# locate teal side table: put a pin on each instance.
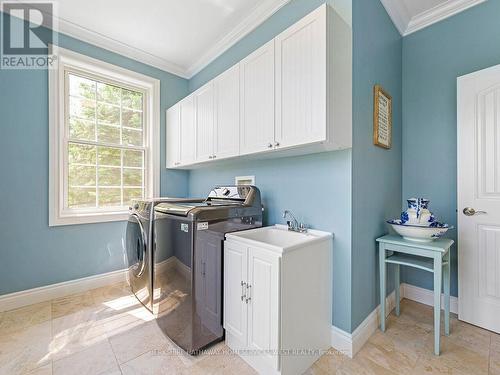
(432, 257)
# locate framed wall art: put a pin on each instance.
(382, 118)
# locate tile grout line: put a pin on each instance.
(489, 356)
(114, 354)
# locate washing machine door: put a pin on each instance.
(138, 259)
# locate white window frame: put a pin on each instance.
(72, 61)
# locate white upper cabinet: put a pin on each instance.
(173, 136)
(204, 102)
(257, 100)
(292, 96)
(301, 88)
(227, 113)
(187, 131)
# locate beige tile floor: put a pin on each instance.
(106, 331)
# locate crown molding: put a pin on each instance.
(408, 25)
(257, 16)
(113, 45)
(260, 13)
(88, 36)
(439, 13)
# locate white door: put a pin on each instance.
(263, 307)
(173, 136)
(301, 81)
(204, 101)
(235, 278)
(257, 100)
(479, 190)
(187, 131)
(227, 113)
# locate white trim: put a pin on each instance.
(439, 13)
(102, 41)
(426, 297)
(259, 14)
(113, 45)
(342, 341)
(256, 17)
(408, 25)
(150, 86)
(351, 343)
(46, 293)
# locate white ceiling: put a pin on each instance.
(179, 36)
(412, 15)
(184, 36)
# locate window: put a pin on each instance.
(104, 140)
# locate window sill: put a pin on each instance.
(90, 218)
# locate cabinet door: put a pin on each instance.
(257, 100)
(204, 101)
(227, 113)
(301, 81)
(235, 278)
(263, 307)
(173, 136)
(187, 130)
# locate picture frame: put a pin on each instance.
(382, 118)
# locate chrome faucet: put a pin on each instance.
(293, 224)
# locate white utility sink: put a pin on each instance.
(279, 238)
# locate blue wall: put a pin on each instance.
(376, 172)
(317, 188)
(32, 253)
(433, 58)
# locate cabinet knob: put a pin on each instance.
(214, 156)
(269, 145)
(277, 144)
(210, 157)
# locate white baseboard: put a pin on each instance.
(350, 343)
(426, 297)
(342, 341)
(46, 293)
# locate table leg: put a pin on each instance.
(446, 287)
(437, 301)
(397, 286)
(382, 267)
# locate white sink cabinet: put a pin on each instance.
(277, 297)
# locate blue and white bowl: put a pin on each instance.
(419, 233)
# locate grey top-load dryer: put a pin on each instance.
(188, 259)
